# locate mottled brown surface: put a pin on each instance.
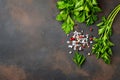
(33, 46)
(12, 73)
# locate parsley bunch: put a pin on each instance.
(78, 59)
(102, 46)
(76, 10)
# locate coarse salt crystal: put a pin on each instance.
(80, 48)
(70, 46)
(70, 52)
(68, 42)
(79, 33)
(73, 42)
(89, 54)
(74, 47)
(67, 34)
(75, 33)
(87, 36)
(91, 42)
(82, 31)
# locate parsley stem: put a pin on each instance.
(113, 11)
(103, 45)
(114, 15)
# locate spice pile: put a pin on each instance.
(80, 41)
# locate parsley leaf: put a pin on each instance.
(102, 47)
(78, 59)
(77, 10)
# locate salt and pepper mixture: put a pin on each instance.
(80, 41)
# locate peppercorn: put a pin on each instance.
(71, 39)
(91, 38)
(91, 29)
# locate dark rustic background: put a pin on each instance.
(33, 46)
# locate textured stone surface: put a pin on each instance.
(33, 46)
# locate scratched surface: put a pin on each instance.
(33, 46)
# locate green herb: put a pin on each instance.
(78, 59)
(76, 10)
(102, 46)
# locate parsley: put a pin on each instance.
(76, 10)
(78, 59)
(102, 47)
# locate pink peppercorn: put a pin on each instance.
(71, 39)
(91, 38)
(91, 29)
